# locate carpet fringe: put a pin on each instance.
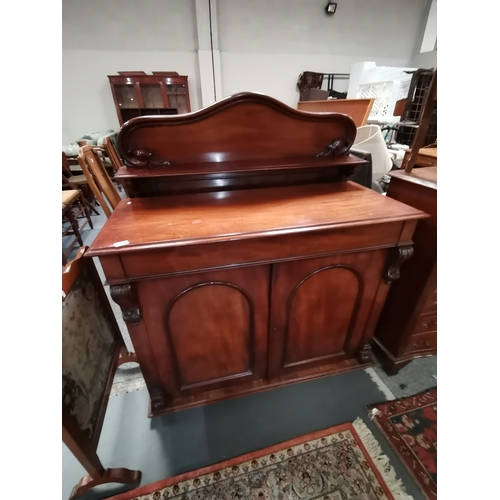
(381, 461)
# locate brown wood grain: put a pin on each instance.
(319, 309)
(166, 222)
(408, 300)
(208, 329)
(244, 252)
(245, 126)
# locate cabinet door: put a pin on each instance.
(320, 308)
(126, 96)
(207, 330)
(178, 97)
(151, 95)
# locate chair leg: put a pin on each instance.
(89, 197)
(74, 224)
(86, 206)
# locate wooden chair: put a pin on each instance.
(77, 182)
(112, 153)
(92, 349)
(99, 181)
(425, 118)
(73, 206)
(111, 158)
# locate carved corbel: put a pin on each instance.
(125, 297)
(395, 258)
(335, 148)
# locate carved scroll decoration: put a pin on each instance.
(142, 158)
(395, 258)
(125, 297)
(335, 148)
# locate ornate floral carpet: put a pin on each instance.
(410, 426)
(339, 463)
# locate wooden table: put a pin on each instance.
(408, 324)
(265, 268)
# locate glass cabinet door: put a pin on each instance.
(177, 98)
(151, 96)
(125, 96)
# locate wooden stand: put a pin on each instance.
(246, 260)
(90, 359)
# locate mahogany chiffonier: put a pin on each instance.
(407, 328)
(244, 258)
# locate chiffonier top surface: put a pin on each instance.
(162, 222)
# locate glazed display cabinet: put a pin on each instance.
(136, 93)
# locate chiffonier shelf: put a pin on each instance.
(244, 259)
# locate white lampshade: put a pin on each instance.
(369, 138)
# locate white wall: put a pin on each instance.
(276, 74)
(129, 25)
(425, 60)
(87, 101)
(380, 28)
(264, 46)
(102, 37)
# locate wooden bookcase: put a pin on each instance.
(136, 93)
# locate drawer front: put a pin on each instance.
(430, 307)
(422, 342)
(259, 250)
(426, 324)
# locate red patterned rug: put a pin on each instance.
(410, 426)
(340, 463)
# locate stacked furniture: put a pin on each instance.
(245, 259)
